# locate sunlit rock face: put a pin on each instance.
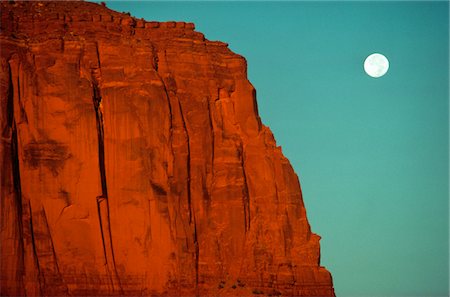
(134, 162)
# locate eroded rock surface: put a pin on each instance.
(134, 162)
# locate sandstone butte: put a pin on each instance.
(134, 162)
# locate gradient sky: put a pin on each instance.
(371, 154)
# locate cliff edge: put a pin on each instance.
(134, 162)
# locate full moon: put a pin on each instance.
(376, 65)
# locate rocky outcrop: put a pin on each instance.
(134, 162)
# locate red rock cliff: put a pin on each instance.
(134, 162)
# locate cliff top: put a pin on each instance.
(41, 20)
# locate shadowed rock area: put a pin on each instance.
(134, 162)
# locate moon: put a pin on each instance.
(376, 65)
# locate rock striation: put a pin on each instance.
(134, 162)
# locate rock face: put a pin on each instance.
(134, 162)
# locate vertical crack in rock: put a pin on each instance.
(11, 123)
(24, 211)
(197, 255)
(189, 194)
(33, 245)
(100, 131)
(192, 220)
(51, 244)
(10, 102)
(212, 141)
(102, 200)
(101, 230)
(101, 157)
(246, 193)
(287, 234)
(169, 106)
(155, 60)
(188, 162)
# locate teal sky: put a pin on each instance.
(371, 154)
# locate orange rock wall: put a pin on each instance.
(134, 162)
